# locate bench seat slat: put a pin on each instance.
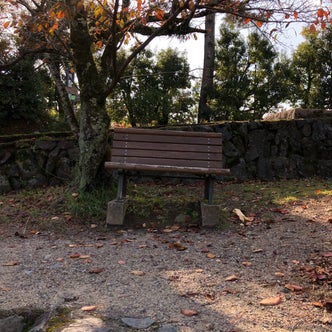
(164, 168)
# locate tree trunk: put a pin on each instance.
(93, 140)
(204, 111)
(94, 121)
(64, 101)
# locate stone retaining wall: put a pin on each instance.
(252, 150)
(278, 149)
(30, 161)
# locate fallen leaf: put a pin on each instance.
(246, 263)
(89, 308)
(178, 246)
(241, 216)
(96, 271)
(11, 263)
(318, 304)
(99, 245)
(271, 301)
(255, 251)
(122, 262)
(137, 273)
(328, 303)
(233, 277)
(327, 254)
(281, 211)
(199, 270)
(60, 259)
(189, 312)
(84, 256)
(75, 255)
(210, 255)
(279, 274)
(294, 288)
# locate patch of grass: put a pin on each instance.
(60, 319)
(90, 204)
(253, 196)
(56, 208)
(249, 196)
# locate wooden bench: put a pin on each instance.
(172, 152)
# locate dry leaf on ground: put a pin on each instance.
(89, 308)
(241, 216)
(210, 255)
(293, 288)
(138, 273)
(271, 301)
(96, 271)
(189, 312)
(11, 263)
(233, 277)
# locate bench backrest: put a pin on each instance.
(167, 148)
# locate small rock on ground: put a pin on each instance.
(138, 323)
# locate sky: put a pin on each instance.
(194, 49)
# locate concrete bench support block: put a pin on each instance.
(210, 215)
(116, 212)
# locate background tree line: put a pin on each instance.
(251, 78)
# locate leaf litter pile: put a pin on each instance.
(267, 268)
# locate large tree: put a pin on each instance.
(311, 66)
(249, 78)
(24, 91)
(154, 89)
(89, 34)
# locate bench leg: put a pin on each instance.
(208, 190)
(122, 186)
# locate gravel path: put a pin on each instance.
(182, 279)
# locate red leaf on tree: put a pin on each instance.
(313, 28)
(259, 23)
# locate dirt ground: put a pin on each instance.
(272, 272)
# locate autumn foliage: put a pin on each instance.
(111, 18)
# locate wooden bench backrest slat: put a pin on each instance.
(159, 154)
(158, 146)
(169, 162)
(167, 148)
(168, 139)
